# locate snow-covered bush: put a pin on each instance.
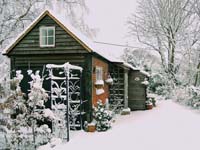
(187, 95)
(194, 99)
(161, 85)
(25, 130)
(102, 117)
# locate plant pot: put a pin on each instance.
(149, 106)
(91, 128)
(109, 81)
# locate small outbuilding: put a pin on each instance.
(137, 89)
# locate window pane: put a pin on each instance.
(50, 41)
(43, 32)
(43, 41)
(50, 32)
(47, 36)
(99, 73)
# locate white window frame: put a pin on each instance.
(46, 28)
(99, 73)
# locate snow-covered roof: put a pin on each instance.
(58, 17)
(130, 66)
(145, 73)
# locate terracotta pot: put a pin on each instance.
(91, 128)
(149, 106)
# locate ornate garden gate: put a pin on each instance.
(66, 100)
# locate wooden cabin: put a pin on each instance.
(51, 40)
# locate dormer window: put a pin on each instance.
(47, 36)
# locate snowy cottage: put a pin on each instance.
(51, 40)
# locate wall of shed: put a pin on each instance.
(105, 95)
(35, 62)
(136, 91)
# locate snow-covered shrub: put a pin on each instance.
(26, 132)
(161, 85)
(187, 95)
(181, 94)
(194, 99)
(102, 117)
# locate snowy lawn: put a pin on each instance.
(169, 126)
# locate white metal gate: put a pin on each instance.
(66, 100)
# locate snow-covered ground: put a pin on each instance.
(169, 126)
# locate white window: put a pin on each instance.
(99, 73)
(47, 36)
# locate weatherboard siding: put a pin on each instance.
(64, 42)
(136, 91)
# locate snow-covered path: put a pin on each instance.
(169, 126)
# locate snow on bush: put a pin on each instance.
(160, 84)
(53, 142)
(102, 117)
(26, 133)
(47, 113)
(187, 95)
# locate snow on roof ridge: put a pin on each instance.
(136, 68)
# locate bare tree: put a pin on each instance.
(162, 25)
(196, 11)
(140, 58)
(16, 15)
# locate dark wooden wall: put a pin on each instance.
(64, 42)
(136, 91)
(38, 63)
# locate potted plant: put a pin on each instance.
(149, 104)
(90, 127)
(152, 98)
(109, 80)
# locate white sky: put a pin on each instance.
(110, 16)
